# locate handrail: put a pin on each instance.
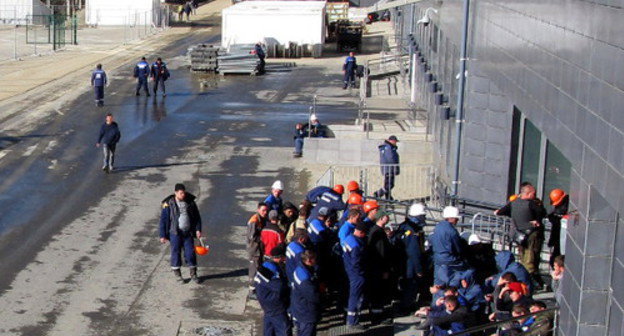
(498, 324)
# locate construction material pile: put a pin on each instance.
(203, 57)
(240, 59)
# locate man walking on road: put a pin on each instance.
(108, 139)
(159, 74)
(98, 81)
(389, 160)
(141, 73)
(180, 222)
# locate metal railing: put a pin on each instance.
(414, 181)
(499, 326)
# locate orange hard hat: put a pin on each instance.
(353, 186)
(355, 199)
(556, 196)
(370, 205)
(339, 188)
(202, 249)
(513, 197)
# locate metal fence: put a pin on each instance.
(25, 33)
(413, 182)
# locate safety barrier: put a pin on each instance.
(413, 182)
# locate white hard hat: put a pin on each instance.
(474, 239)
(313, 117)
(278, 185)
(417, 209)
(451, 212)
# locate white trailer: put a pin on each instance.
(122, 12)
(16, 12)
(274, 23)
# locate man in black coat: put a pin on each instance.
(108, 139)
(378, 251)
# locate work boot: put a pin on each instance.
(178, 275)
(194, 277)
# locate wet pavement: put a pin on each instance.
(79, 249)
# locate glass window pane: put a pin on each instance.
(556, 172)
(530, 153)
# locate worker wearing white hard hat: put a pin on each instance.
(413, 238)
(274, 200)
(447, 247)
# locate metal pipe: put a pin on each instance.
(460, 98)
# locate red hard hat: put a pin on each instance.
(352, 186)
(370, 205)
(355, 199)
(339, 188)
(556, 196)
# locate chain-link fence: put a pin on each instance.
(33, 31)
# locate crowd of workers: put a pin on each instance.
(304, 258)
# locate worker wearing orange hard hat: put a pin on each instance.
(370, 209)
(560, 201)
(325, 197)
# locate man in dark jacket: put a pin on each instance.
(98, 81)
(141, 73)
(560, 202)
(449, 318)
(305, 298)
(378, 251)
(330, 199)
(300, 134)
(108, 139)
(159, 74)
(527, 213)
(506, 263)
(294, 251)
(412, 241)
(389, 161)
(272, 292)
(261, 55)
(447, 247)
(180, 222)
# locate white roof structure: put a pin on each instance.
(120, 12)
(274, 22)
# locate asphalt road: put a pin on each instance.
(79, 252)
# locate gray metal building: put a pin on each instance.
(545, 86)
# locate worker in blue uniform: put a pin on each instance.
(141, 73)
(159, 74)
(272, 293)
(261, 55)
(305, 297)
(389, 162)
(411, 236)
(447, 247)
(354, 263)
(294, 251)
(349, 226)
(348, 68)
(274, 200)
(330, 199)
(98, 81)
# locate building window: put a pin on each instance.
(557, 171)
(536, 160)
(531, 153)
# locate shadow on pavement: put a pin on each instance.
(162, 165)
